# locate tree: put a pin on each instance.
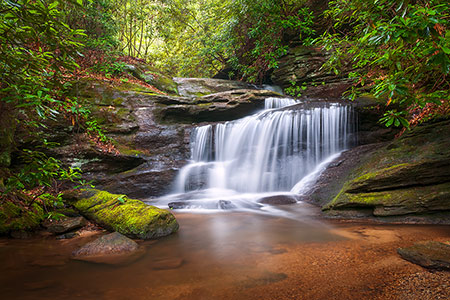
(399, 49)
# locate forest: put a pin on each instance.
(102, 100)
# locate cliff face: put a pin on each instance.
(150, 131)
(406, 177)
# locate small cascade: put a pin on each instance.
(279, 149)
(273, 102)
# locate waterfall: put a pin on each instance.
(270, 151)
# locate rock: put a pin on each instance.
(302, 66)
(197, 87)
(178, 204)
(18, 220)
(146, 153)
(130, 217)
(410, 175)
(278, 200)
(65, 224)
(66, 236)
(431, 254)
(223, 106)
(225, 204)
(167, 263)
(113, 248)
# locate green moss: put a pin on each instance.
(14, 217)
(125, 150)
(128, 216)
(204, 104)
(381, 173)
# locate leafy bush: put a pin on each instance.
(399, 49)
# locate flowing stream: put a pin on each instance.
(280, 150)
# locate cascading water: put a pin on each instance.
(272, 151)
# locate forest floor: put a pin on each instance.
(235, 256)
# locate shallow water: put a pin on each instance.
(214, 256)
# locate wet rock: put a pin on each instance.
(113, 248)
(410, 175)
(178, 205)
(223, 106)
(225, 204)
(66, 236)
(278, 200)
(64, 225)
(432, 255)
(130, 217)
(197, 87)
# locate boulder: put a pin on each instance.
(197, 87)
(64, 225)
(130, 217)
(410, 175)
(113, 248)
(278, 200)
(431, 254)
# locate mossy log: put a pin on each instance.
(130, 217)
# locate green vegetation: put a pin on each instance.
(130, 217)
(400, 50)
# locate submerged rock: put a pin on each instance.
(432, 255)
(130, 217)
(113, 248)
(278, 200)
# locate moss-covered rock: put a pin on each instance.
(14, 217)
(411, 175)
(130, 217)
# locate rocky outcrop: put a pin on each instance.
(198, 87)
(432, 255)
(130, 217)
(223, 106)
(410, 175)
(113, 248)
(149, 131)
(302, 67)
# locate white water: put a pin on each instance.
(277, 151)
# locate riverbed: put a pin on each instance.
(235, 255)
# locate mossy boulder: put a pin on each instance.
(410, 175)
(130, 217)
(17, 218)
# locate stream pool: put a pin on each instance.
(229, 255)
